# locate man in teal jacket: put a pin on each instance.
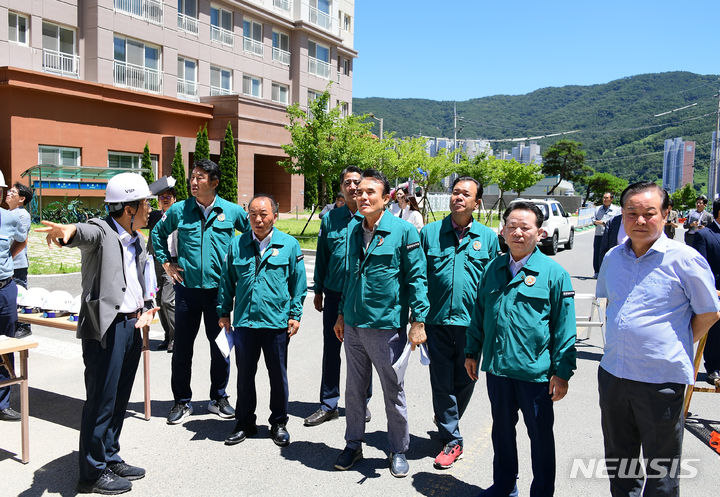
(524, 324)
(264, 274)
(457, 249)
(329, 278)
(205, 225)
(386, 281)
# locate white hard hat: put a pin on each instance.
(75, 306)
(21, 294)
(126, 187)
(2, 180)
(57, 300)
(34, 297)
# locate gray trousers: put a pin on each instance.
(365, 348)
(166, 301)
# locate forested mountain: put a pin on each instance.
(615, 119)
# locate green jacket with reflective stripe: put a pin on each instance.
(454, 269)
(524, 325)
(388, 280)
(202, 243)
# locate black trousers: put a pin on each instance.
(637, 415)
(20, 275)
(597, 259)
(8, 319)
(712, 349)
(109, 376)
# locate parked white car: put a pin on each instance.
(556, 224)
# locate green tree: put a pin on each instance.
(478, 168)
(565, 159)
(228, 188)
(149, 175)
(178, 172)
(599, 183)
(519, 177)
(684, 198)
(323, 144)
(202, 144)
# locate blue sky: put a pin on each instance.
(462, 49)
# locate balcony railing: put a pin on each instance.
(216, 90)
(319, 67)
(320, 18)
(148, 10)
(187, 89)
(281, 56)
(222, 35)
(251, 45)
(282, 4)
(187, 23)
(61, 63)
(137, 77)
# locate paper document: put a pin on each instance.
(400, 365)
(424, 355)
(224, 342)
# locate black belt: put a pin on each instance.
(128, 315)
(5, 282)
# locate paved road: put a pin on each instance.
(190, 459)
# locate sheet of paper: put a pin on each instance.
(424, 355)
(223, 342)
(401, 364)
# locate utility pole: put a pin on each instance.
(713, 172)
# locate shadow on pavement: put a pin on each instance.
(58, 477)
(314, 455)
(590, 356)
(214, 429)
(419, 447)
(435, 485)
(55, 408)
(158, 408)
(304, 409)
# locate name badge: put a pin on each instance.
(529, 280)
(221, 217)
(275, 252)
(476, 245)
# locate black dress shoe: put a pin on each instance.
(108, 484)
(239, 434)
(348, 457)
(713, 377)
(162, 345)
(22, 333)
(126, 471)
(320, 416)
(280, 435)
(9, 414)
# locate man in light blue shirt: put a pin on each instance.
(661, 298)
(17, 198)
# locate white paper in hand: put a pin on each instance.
(424, 355)
(223, 342)
(401, 364)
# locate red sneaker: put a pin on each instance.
(448, 456)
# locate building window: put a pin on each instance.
(252, 86)
(280, 93)
(136, 65)
(221, 28)
(312, 95)
(282, 4)
(318, 60)
(128, 160)
(58, 156)
(347, 23)
(252, 37)
(346, 67)
(281, 47)
(59, 55)
(187, 78)
(188, 16)
(344, 108)
(17, 28)
(320, 13)
(148, 10)
(220, 81)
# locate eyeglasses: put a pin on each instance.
(165, 196)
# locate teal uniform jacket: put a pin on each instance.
(202, 243)
(268, 294)
(524, 326)
(387, 280)
(331, 249)
(454, 269)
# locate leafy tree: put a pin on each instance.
(684, 198)
(519, 177)
(202, 144)
(477, 168)
(323, 144)
(599, 183)
(178, 172)
(228, 188)
(146, 163)
(566, 160)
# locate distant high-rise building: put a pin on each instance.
(527, 154)
(678, 163)
(713, 171)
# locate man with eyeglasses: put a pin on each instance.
(329, 279)
(17, 198)
(165, 187)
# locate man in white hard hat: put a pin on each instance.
(12, 238)
(112, 312)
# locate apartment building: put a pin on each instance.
(90, 82)
(678, 163)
